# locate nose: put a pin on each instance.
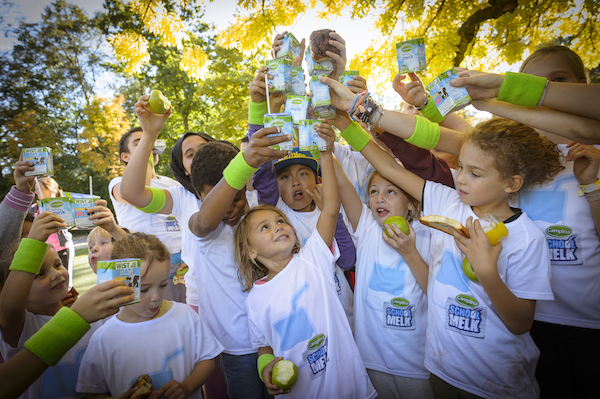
(459, 176)
(95, 249)
(155, 296)
(55, 274)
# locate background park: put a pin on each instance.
(71, 71)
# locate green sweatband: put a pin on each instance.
(522, 89)
(316, 154)
(426, 134)
(30, 256)
(159, 199)
(238, 172)
(57, 336)
(256, 112)
(262, 362)
(356, 136)
(431, 112)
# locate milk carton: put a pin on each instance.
(122, 269)
(79, 205)
(445, 96)
(160, 145)
(281, 70)
(347, 76)
(43, 164)
(298, 87)
(283, 121)
(297, 106)
(323, 67)
(411, 55)
(290, 48)
(320, 96)
(60, 206)
(309, 139)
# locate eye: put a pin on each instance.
(40, 274)
(474, 174)
(559, 79)
(372, 192)
(58, 265)
(390, 191)
(281, 221)
(163, 285)
(144, 290)
(264, 227)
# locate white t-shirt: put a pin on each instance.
(221, 300)
(390, 308)
(166, 348)
(356, 167)
(297, 313)
(467, 343)
(58, 381)
(567, 222)
(165, 227)
(305, 224)
(185, 204)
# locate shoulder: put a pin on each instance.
(114, 182)
(164, 182)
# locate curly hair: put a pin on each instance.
(141, 245)
(249, 269)
(517, 149)
(209, 162)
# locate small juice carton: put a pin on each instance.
(320, 95)
(43, 164)
(122, 269)
(309, 139)
(411, 55)
(160, 145)
(60, 206)
(445, 96)
(284, 121)
(298, 87)
(281, 70)
(290, 48)
(298, 107)
(327, 112)
(79, 205)
(324, 67)
(347, 76)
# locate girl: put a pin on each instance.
(293, 310)
(390, 337)
(165, 340)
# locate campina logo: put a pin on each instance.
(467, 300)
(559, 231)
(400, 302)
(315, 342)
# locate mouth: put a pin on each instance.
(382, 212)
(461, 192)
(282, 238)
(93, 259)
(154, 310)
(59, 286)
(298, 195)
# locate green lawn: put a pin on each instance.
(83, 275)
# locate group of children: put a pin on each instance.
(268, 266)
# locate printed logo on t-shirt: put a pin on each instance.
(563, 245)
(171, 224)
(316, 355)
(463, 315)
(398, 314)
(296, 326)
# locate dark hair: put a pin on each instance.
(177, 160)
(125, 139)
(245, 139)
(209, 162)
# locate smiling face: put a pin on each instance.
(99, 248)
(293, 181)
(386, 199)
(152, 292)
(188, 148)
(271, 237)
(50, 285)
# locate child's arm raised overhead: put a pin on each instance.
(102, 216)
(217, 202)
(24, 268)
(327, 222)
(133, 186)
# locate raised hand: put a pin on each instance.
(413, 92)
(150, 122)
(45, 224)
(23, 183)
(480, 85)
(258, 151)
(103, 300)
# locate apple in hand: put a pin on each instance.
(284, 374)
(182, 271)
(468, 270)
(158, 103)
(398, 221)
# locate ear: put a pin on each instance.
(125, 157)
(319, 180)
(513, 184)
(253, 254)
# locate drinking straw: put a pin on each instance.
(267, 87)
(91, 191)
(39, 188)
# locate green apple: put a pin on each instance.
(468, 270)
(398, 221)
(158, 103)
(284, 374)
(181, 272)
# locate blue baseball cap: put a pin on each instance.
(297, 157)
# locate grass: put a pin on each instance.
(83, 276)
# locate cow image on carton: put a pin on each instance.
(446, 97)
(43, 164)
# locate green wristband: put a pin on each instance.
(356, 136)
(159, 199)
(30, 256)
(57, 336)
(431, 112)
(262, 362)
(238, 172)
(522, 89)
(256, 112)
(426, 134)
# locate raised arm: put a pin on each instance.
(102, 216)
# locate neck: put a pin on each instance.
(274, 266)
(501, 209)
(309, 208)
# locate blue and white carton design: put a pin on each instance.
(297, 106)
(60, 206)
(308, 137)
(290, 48)
(411, 55)
(283, 121)
(122, 269)
(281, 70)
(43, 164)
(445, 96)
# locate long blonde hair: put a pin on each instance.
(249, 269)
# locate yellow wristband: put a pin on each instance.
(262, 362)
(159, 199)
(426, 134)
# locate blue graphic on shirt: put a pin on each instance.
(384, 278)
(60, 381)
(297, 326)
(546, 205)
(450, 272)
(164, 375)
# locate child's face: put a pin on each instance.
(51, 284)
(152, 292)
(386, 199)
(555, 68)
(271, 237)
(133, 141)
(99, 248)
(188, 148)
(293, 181)
(478, 182)
(237, 209)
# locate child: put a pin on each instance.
(31, 295)
(292, 307)
(390, 338)
(100, 238)
(165, 340)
